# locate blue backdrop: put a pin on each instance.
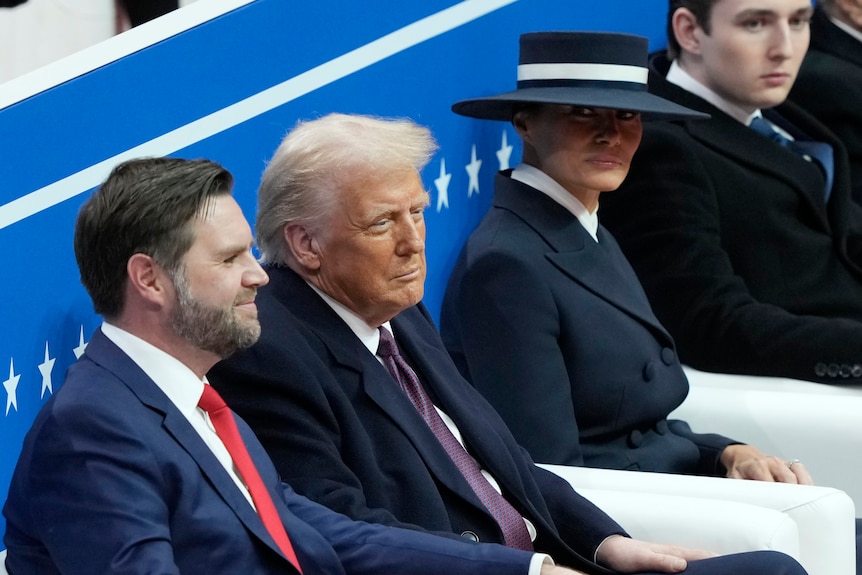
(229, 89)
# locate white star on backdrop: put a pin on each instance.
(79, 351)
(45, 369)
(442, 185)
(504, 153)
(473, 171)
(11, 386)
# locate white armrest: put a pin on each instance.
(720, 526)
(814, 422)
(719, 515)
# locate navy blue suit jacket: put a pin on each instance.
(555, 330)
(744, 262)
(342, 433)
(113, 479)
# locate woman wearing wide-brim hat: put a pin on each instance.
(543, 313)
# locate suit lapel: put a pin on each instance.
(384, 391)
(747, 148)
(600, 267)
(105, 353)
(725, 136)
(453, 395)
(376, 382)
(188, 438)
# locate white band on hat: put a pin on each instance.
(563, 71)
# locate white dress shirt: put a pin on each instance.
(536, 178)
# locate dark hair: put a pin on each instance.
(144, 206)
(702, 10)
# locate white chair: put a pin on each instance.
(3, 563)
(816, 525)
(719, 526)
(817, 423)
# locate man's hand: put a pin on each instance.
(747, 462)
(632, 556)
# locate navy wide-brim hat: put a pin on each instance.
(593, 69)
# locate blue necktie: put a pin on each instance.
(819, 151)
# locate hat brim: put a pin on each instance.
(651, 107)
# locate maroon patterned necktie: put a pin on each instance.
(512, 524)
(225, 426)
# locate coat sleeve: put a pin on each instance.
(365, 548)
(89, 492)
(666, 218)
(709, 446)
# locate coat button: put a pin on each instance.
(635, 438)
(667, 356)
(820, 369)
(832, 370)
(856, 370)
(661, 427)
(471, 536)
(649, 372)
(845, 370)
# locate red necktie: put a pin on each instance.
(510, 521)
(225, 426)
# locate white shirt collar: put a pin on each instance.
(676, 75)
(539, 180)
(847, 28)
(369, 336)
(173, 377)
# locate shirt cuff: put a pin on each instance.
(539, 560)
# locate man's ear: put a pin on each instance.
(147, 279)
(305, 248)
(686, 30)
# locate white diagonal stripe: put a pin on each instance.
(255, 105)
(113, 49)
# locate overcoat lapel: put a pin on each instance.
(436, 369)
(374, 378)
(599, 267)
(746, 147)
(727, 137)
